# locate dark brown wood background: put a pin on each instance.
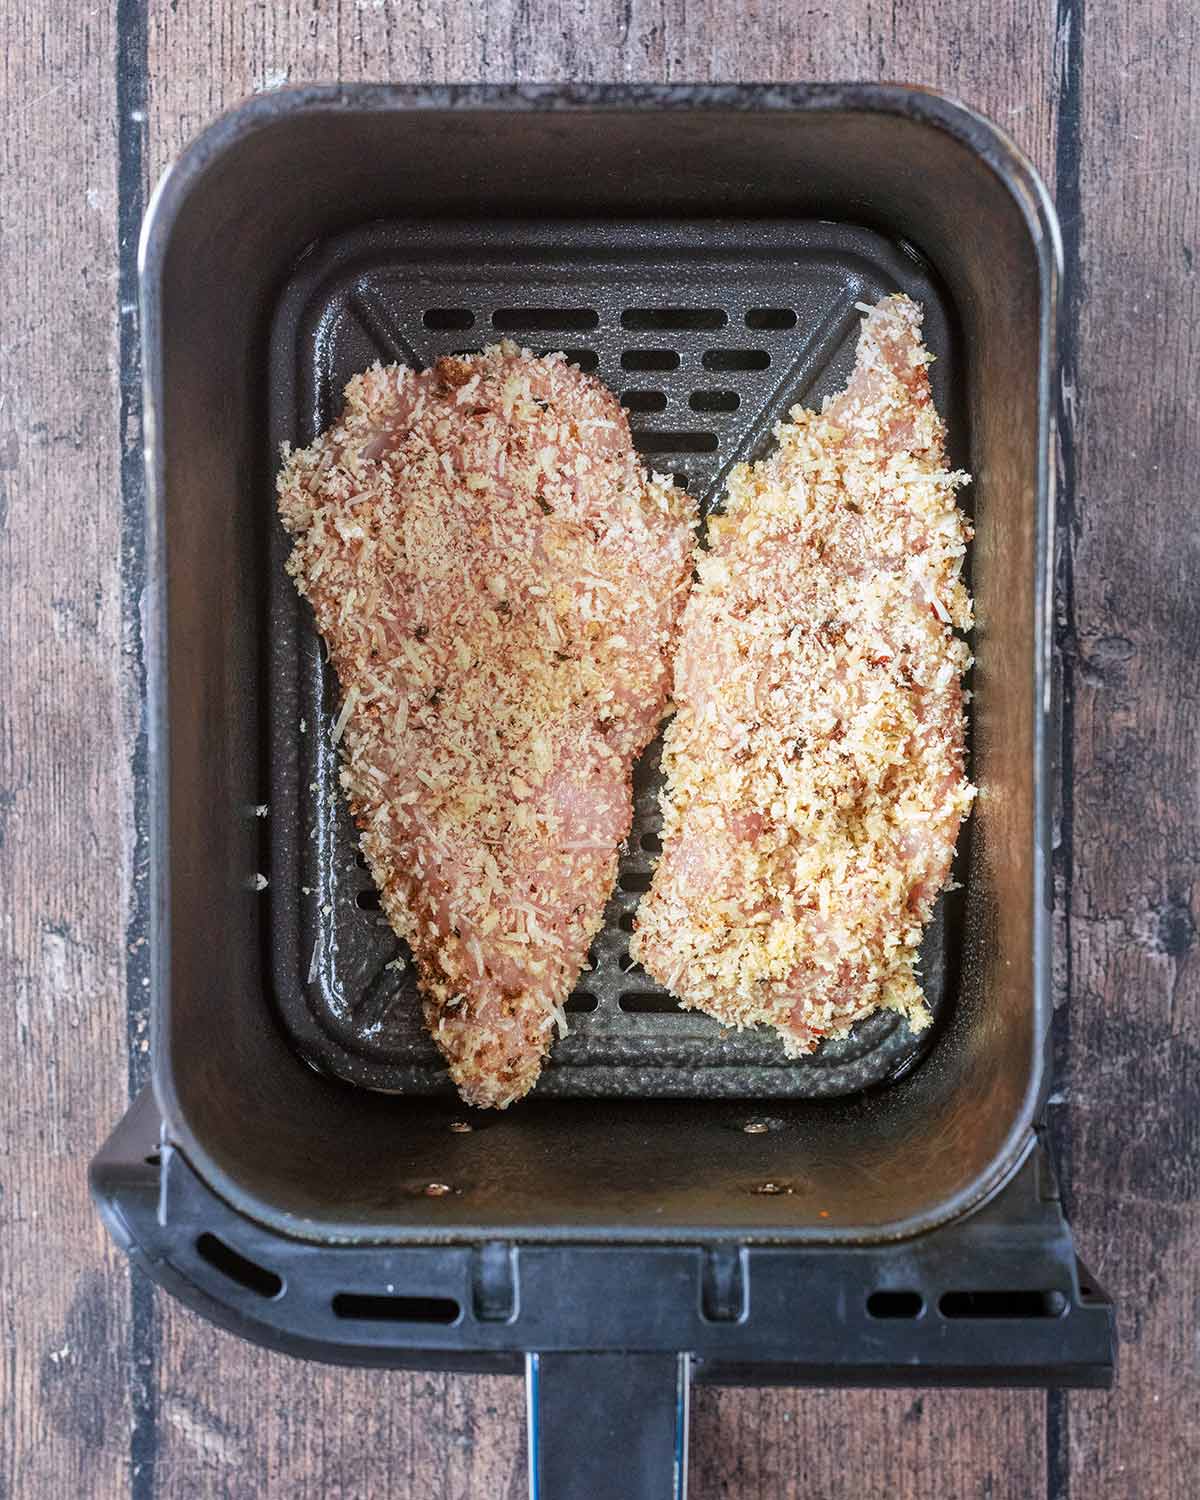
(108, 1389)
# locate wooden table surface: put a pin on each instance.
(108, 1388)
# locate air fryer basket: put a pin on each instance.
(671, 1203)
(710, 332)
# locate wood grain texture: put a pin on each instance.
(306, 1432)
(797, 1445)
(770, 1446)
(217, 1418)
(1132, 649)
(205, 57)
(63, 791)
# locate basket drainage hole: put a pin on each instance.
(368, 900)
(586, 360)
(644, 401)
(448, 317)
(895, 1304)
(714, 400)
(580, 1003)
(237, 1267)
(771, 317)
(647, 441)
(651, 843)
(1002, 1305)
(735, 359)
(625, 921)
(538, 319)
(650, 359)
(649, 1003)
(634, 881)
(674, 318)
(377, 1309)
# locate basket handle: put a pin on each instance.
(608, 1426)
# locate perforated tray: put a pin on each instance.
(709, 332)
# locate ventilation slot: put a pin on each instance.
(677, 319)
(583, 359)
(542, 319)
(448, 317)
(644, 401)
(895, 1304)
(675, 442)
(649, 1003)
(771, 317)
(580, 1003)
(1002, 1305)
(649, 359)
(714, 400)
(370, 1309)
(246, 1273)
(735, 359)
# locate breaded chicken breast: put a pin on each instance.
(815, 774)
(500, 586)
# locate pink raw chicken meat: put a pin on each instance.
(815, 766)
(500, 585)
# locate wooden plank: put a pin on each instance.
(998, 57)
(1133, 657)
(64, 794)
(309, 1432)
(794, 1445)
(230, 1411)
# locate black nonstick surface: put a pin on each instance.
(709, 333)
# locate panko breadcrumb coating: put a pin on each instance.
(500, 586)
(815, 767)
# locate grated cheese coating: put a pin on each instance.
(499, 584)
(815, 766)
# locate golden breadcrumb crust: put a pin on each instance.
(815, 767)
(500, 584)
